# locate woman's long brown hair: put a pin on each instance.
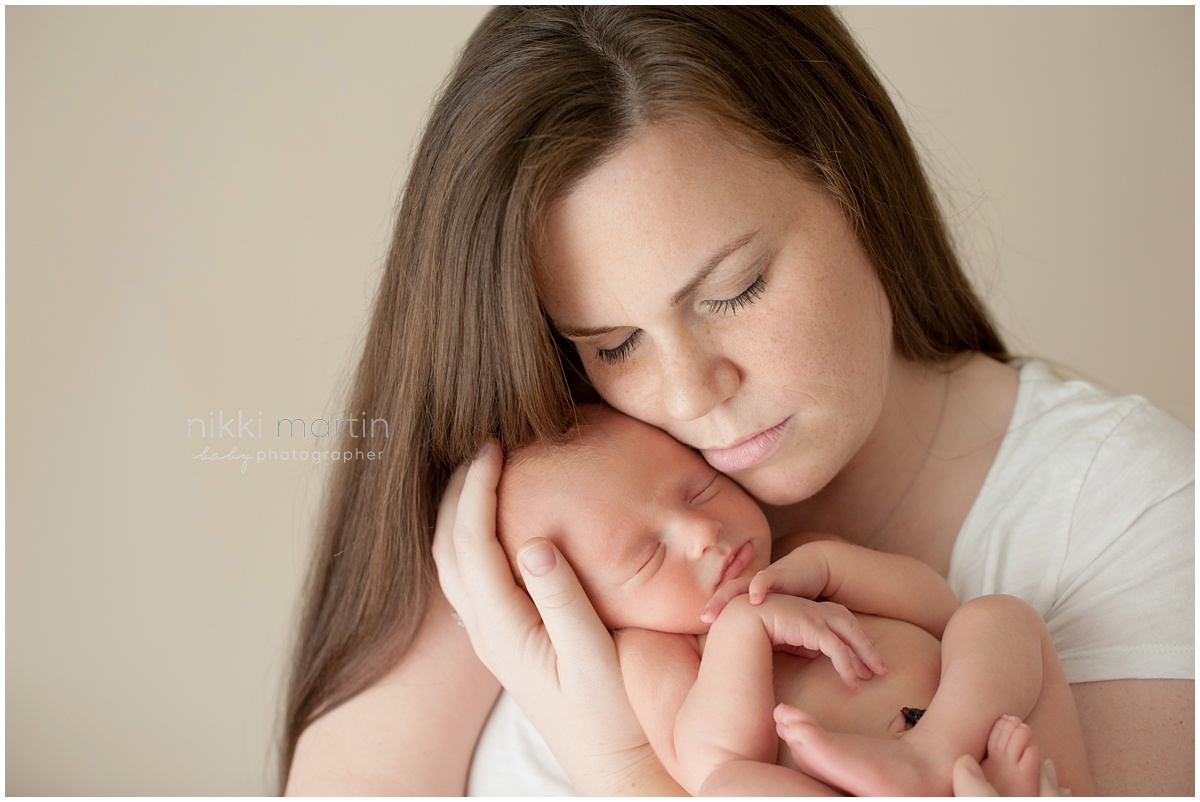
(458, 348)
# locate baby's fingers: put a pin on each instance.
(846, 626)
(723, 596)
(845, 662)
(804, 580)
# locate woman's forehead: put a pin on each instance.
(672, 172)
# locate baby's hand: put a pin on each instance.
(809, 628)
(724, 595)
(804, 573)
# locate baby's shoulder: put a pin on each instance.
(652, 646)
(785, 545)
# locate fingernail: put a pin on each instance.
(784, 715)
(537, 558)
(1049, 773)
(973, 766)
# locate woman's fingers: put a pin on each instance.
(968, 779)
(580, 640)
(1048, 781)
(444, 553)
(481, 561)
(472, 569)
(480, 585)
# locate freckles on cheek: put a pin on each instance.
(618, 392)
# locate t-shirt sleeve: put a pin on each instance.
(1125, 591)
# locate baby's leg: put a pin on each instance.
(1029, 684)
(997, 658)
(750, 778)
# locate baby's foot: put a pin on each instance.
(861, 765)
(1012, 762)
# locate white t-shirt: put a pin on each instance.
(1088, 514)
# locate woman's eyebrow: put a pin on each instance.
(580, 332)
(711, 264)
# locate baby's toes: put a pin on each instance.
(1009, 737)
(795, 726)
(1012, 762)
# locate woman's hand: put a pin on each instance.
(969, 780)
(552, 653)
(1013, 766)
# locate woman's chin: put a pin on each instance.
(779, 488)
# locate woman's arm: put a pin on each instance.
(1140, 735)
(548, 648)
(410, 734)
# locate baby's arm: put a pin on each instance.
(727, 714)
(659, 670)
(700, 714)
(861, 579)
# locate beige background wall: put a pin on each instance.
(198, 201)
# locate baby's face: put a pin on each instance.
(650, 529)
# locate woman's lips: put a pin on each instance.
(748, 452)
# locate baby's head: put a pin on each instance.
(649, 527)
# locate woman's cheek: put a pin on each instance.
(622, 388)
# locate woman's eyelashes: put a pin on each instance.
(731, 306)
(621, 352)
(726, 306)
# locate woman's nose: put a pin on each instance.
(695, 379)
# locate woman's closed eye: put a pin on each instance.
(725, 306)
(731, 306)
(621, 352)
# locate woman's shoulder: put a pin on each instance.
(1062, 421)
(1089, 515)
(1081, 472)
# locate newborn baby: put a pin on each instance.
(878, 679)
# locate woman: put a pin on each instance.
(715, 216)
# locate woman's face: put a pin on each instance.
(715, 294)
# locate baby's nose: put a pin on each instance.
(702, 534)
